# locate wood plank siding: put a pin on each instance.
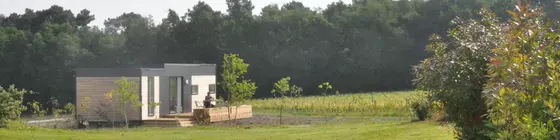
(100, 108)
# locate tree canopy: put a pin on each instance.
(367, 45)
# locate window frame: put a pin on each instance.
(151, 95)
(212, 88)
(193, 90)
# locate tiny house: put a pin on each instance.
(179, 88)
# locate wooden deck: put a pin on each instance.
(210, 115)
(171, 120)
(202, 115)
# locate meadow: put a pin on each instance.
(263, 125)
(377, 104)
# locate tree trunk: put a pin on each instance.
(114, 112)
(281, 110)
(125, 118)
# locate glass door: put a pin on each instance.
(175, 92)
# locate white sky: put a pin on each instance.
(103, 9)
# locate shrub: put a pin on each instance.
(421, 108)
(524, 85)
(11, 100)
(456, 72)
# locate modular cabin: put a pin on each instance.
(179, 88)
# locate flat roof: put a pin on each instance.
(179, 64)
(137, 71)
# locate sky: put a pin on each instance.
(103, 9)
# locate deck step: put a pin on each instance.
(176, 118)
(168, 123)
(187, 115)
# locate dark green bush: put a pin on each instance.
(497, 80)
(455, 74)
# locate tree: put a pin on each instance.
(84, 18)
(282, 87)
(204, 23)
(109, 96)
(326, 86)
(233, 83)
(127, 96)
(237, 88)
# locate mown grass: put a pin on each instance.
(346, 131)
(381, 104)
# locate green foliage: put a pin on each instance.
(127, 97)
(70, 108)
(361, 46)
(11, 101)
(524, 71)
(84, 106)
(455, 74)
(19, 124)
(296, 91)
(37, 109)
(234, 84)
(282, 87)
(325, 87)
(421, 107)
(154, 105)
(378, 104)
(55, 110)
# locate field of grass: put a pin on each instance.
(382, 104)
(375, 106)
(346, 131)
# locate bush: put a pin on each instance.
(512, 67)
(11, 104)
(421, 109)
(456, 72)
(524, 79)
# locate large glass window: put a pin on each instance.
(151, 96)
(173, 95)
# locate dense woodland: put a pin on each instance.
(368, 45)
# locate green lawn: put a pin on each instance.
(374, 105)
(348, 130)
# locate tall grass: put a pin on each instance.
(381, 104)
